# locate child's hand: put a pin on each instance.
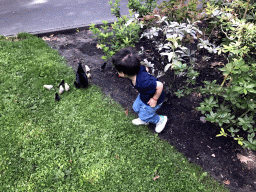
(152, 103)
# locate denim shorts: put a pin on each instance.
(145, 112)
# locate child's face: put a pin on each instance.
(121, 74)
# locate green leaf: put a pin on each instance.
(244, 68)
(241, 119)
(210, 99)
(104, 57)
(252, 135)
(106, 49)
(222, 133)
(240, 142)
(237, 88)
(229, 67)
(251, 106)
(252, 90)
(250, 86)
(104, 22)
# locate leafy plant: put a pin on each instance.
(239, 33)
(142, 7)
(229, 104)
(174, 35)
(205, 44)
(115, 8)
(180, 10)
(242, 9)
(122, 33)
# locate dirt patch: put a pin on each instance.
(221, 157)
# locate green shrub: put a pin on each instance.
(24, 35)
(230, 104)
(180, 11)
(142, 8)
(122, 33)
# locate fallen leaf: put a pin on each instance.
(126, 112)
(243, 159)
(156, 177)
(117, 157)
(46, 38)
(216, 64)
(202, 119)
(227, 182)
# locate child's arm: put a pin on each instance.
(159, 88)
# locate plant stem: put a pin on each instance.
(225, 33)
(246, 9)
(224, 81)
(238, 117)
(229, 83)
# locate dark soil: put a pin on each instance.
(184, 130)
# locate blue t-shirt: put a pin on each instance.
(146, 86)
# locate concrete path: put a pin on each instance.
(39, 16)
(43, 16)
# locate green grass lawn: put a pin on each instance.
(84, 142)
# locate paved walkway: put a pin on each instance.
(42, 16)
(39, 16)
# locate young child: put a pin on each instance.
(150, 90)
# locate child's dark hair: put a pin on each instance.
(126, 60)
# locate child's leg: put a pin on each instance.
(137, 104)
(145, 112)
(148, 114)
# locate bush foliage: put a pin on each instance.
(230, 32)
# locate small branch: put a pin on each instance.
(225, 33)
(229, 83)
(238, 117)
(246, 9)
(224, 81)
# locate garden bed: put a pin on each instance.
(222, 157)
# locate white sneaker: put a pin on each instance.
(139, 122)
(161, 124)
